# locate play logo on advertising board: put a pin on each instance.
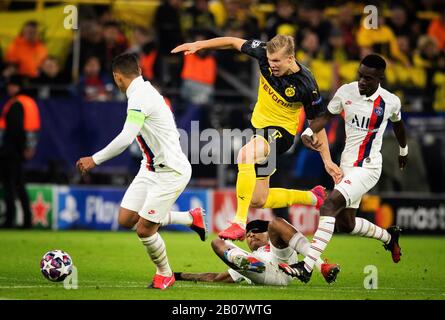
(89, 208)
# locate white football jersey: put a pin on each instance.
(365, 122)
(158, 138)
(272, 275)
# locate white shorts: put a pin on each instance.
(272, 275)
(152, 194)
(356, 182)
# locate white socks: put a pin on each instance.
(319, 242)
(302, 245)
(367, 229)
(155, 247)
(177, 217)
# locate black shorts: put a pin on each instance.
(280, 140)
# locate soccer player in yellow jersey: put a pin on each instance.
(285, 88)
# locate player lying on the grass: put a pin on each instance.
(367, 107)
(274, 246)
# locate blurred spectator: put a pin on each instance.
(381, 40)
(115, 43)
(198, 16)
(315, 22)
(145, 47)
(398, 21)
(436, 30)
(27, 51)
(198, 81)
(240, 16)
(93, 85)
(167, 24)
(309, 47)
(404, 24)
(335, 48)
(50, 82)
(7, 71)
(91, 44)
(403, 41)
(233, 62)
(348, 28)
(283, 20)
(19, 127)
(428, 56)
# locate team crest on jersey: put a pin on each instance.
(290, 92)
(378, 111)
(255, 43)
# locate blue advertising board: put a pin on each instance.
(97, 208)
(88, 208)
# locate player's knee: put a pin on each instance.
(258, 202)
(217, 245)
(345, 225)
(275, 225)
(146, 229)
(328, 208)
(245, 156)
(126, 222)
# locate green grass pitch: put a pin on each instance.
(114, 265)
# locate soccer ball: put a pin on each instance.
(56, 265)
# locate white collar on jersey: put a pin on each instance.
(374, 96)
(133, 85)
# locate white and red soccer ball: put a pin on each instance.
(56, 265)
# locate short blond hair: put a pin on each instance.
(279, 42)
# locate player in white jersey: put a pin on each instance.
(367, 108)
(274, 246)
(164, 173)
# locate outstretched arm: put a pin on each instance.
(215, 43)
(399, 131)
(132, 126)
(204, 277)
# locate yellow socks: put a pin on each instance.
(281, 198)
(245, 186)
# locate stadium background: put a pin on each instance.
(81, 110)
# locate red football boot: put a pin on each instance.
(199, 223)
(161, 282)
(393, 244)
(329, 271)
(234, 232)
(321, 195)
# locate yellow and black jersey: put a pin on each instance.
(280, 99)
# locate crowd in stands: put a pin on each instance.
(330, 37)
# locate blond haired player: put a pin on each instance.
(285, 88)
